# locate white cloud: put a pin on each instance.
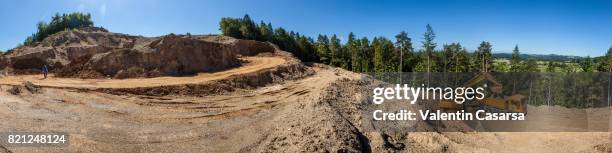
(103, 9)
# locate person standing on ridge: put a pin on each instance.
(45, 70)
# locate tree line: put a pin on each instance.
(59, 23)
(381, 54)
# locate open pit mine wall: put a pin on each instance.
(110, 53)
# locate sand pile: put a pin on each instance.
(96, 53)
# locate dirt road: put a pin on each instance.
(253, 64)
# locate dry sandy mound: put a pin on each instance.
(95, 53)
(66, 46)
(168, 55)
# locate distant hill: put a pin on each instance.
(549, 57)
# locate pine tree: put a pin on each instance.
(384, 58)
(608, 59)
(335, 51)
(322, 47)
(483, 57)
(448, 52)
(515, 61)
(367, 55)
(266, 31)
(306, 48)
(454, 58)
(248, 28)
(429, 46)
(378, 55)
(351, 49)
(282, 39)
(463, 63)
(356, 51)
(404, 46)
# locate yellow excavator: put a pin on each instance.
(493, 101)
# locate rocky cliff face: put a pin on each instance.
(99, 53)
(63, 47)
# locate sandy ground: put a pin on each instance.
(319, 113)
(254, 64)
(111, 123)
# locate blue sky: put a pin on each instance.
(579, 27)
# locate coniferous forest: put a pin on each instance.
(402, 53)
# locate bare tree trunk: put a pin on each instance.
(548, 97)
(484, 69)
(456, 63)
(530, 85)
(428, 65)
(456, 66)
(513, 85)
(401, 67)
(609, 80)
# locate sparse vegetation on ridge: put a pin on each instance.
(59, 23)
